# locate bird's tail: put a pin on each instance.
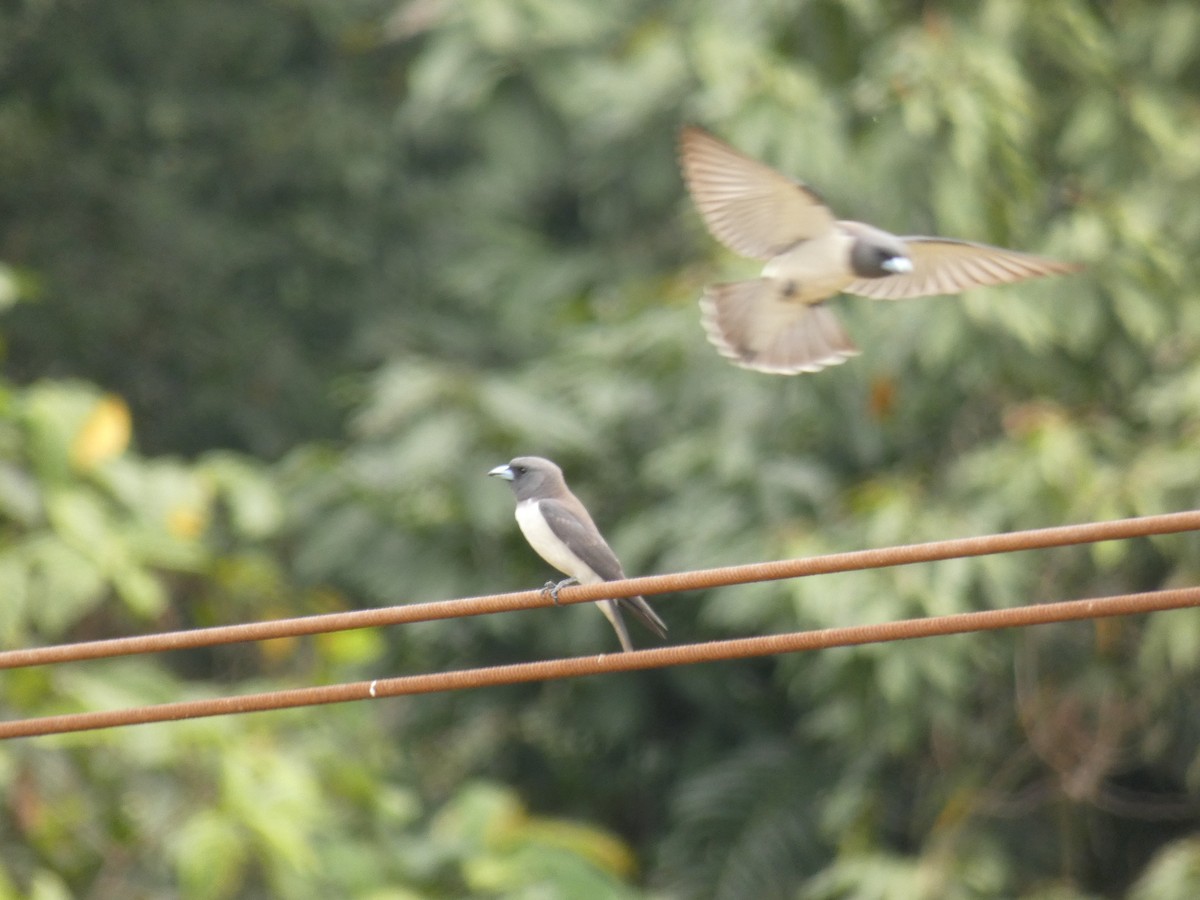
(755, 324)
(645, 614)
(638, 607)
(612, 612)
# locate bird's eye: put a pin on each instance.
(520, 470)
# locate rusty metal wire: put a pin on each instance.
(580, 666)
(1126, 604)
(1117, 529)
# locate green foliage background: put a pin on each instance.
(337, 259)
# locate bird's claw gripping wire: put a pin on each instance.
(553, 588)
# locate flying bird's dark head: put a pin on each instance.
(531, 476)
(877, 254)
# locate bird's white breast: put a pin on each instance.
(549, 546)
(818, 268)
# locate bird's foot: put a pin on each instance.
(553, 588)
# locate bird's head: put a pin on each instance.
(530, 476)
(877, 254)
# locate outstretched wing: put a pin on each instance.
(748, 206)
(945, 266)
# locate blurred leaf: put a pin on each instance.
(1173, 874)
(210, 855)
(104, 434)
(505, 850)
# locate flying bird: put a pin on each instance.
(779, 322)
(559, 529)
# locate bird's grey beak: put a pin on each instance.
(505, 471)
(898, 265)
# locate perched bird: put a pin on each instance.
(779, 322)
(562, 533)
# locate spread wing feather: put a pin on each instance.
(748, 206)
(945, 266)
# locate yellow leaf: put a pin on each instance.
(187, 521)
(278, 650)
(105, 433)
